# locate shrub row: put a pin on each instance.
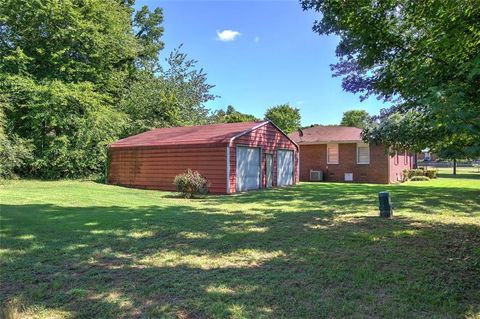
(419, 174)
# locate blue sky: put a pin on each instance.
(276, 58)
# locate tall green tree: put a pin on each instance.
(149, 31)
(68, 124)
(174, 96)
(68, 41)
(421, 56)
(286, 117)
(355, 118)
(231, 115)
(64, 66)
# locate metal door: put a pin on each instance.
(284, 167)
(248, 168)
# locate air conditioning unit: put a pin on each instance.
(316, 176)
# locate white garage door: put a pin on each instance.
(284, 167)
(248, 168)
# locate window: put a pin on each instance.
(332, 153)
(363, 153)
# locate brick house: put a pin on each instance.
(341, 156)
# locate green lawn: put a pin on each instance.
(87, 250)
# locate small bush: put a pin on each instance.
(191, 183)
(419, 178)
(408, 174)
(416, 172)
(431, 173)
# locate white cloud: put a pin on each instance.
(256, 39)
(227, 35)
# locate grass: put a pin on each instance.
(72, 249)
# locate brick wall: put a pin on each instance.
(315, 157)
(399, 162)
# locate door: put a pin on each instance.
(284, 167)
(269, 170)
(248, 168)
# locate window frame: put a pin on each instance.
(359, 146)
(330, 146)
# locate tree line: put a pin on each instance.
(77, 75)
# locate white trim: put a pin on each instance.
(260, 125)
(228, 169)
(359, 145)
(338, 154)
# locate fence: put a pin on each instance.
(447, 164)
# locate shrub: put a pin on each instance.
(191, 183)
(419, 178)
(410, 173)
(431, 173)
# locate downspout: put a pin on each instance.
(228, 168)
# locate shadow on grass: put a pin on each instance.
(341, 198)
(463, 175)
(182, 261)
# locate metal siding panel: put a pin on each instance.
(285, 167)
(150, 168)
(248, 168)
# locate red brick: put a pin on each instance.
(382, 167)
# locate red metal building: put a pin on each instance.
(338, 154)
(232, 157)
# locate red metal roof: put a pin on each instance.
(189, 135)
(320, 134)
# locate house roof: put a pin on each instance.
(320, 134)
(189, 135)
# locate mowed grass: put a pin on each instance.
(72, 249)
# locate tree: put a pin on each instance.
(68, 124)
(149, 33)
(287, 118)
(355, 118)
(13, 150)
(174, 96)
(76, 75)
(70, 42)
(63, 69)
(231, 116)
(422, 56)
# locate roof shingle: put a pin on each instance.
(327, 134)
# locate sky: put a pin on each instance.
(260, 54)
